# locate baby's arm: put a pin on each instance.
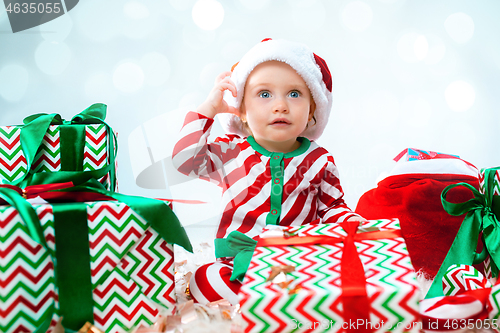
(192, 154)
(331, 205)
(215, 103)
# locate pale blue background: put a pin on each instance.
(395, 63)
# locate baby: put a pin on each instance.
(274, 104)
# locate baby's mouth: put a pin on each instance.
(280, 121)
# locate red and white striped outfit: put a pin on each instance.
(252, 177)
(261, 187)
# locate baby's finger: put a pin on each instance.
(229, 86)
(222, 76)
(233, 110)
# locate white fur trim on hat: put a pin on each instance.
(299, 57)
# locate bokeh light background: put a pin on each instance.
(407, 73)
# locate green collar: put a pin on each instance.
(304, 146)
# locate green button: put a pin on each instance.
(276, 181)
(274, 212)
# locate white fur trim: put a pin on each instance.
(300, 58)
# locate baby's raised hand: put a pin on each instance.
(215, 102)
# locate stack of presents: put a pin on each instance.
(76, 255)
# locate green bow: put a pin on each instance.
(482, 215)
(239, 246)
(33, 131)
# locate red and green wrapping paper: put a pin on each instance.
(48, 149)
(490, 182)
(325, 294)
(115, 270)
(481, 222)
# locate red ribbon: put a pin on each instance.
(46, 192)
(192, 202)
(352, 274)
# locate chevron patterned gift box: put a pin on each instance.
(494, 184)
(331, 277)
(78, 148)
(116, 270)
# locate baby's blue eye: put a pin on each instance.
(294, 94)
(265, 94)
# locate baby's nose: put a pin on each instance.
(280, 105)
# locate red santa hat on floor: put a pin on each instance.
(309, 66)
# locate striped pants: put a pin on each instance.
(210, 283)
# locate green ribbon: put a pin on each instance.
(482, 215)
(239, 246)
(26, 212)
(155, 212)
(72, 137)
(30, 218)
(76, 305)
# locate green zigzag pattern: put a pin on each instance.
(496, 184)
(28, 288)
(99, 150)
(96, 256)
(261, 277)
(387, 303)
(114, 297)
(110, 222)
(25, 258)
(28, 318)
(11, 155)
(46, 150)
(96, 128)
(34, 290)
(20, 169)
(494, 300)
(298, 252)
(159, 281)
(319, 272)
(14, 130)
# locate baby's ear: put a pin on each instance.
(241, 109)
(312, 108)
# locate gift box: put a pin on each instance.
(48, 149)
(331, 277)
(480, 223)
(110, 263)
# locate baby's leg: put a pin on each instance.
(211, 283)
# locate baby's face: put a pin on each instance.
(277, 106)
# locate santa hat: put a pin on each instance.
(308, 65)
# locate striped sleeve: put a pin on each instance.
(331, 205)
(192, 154)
